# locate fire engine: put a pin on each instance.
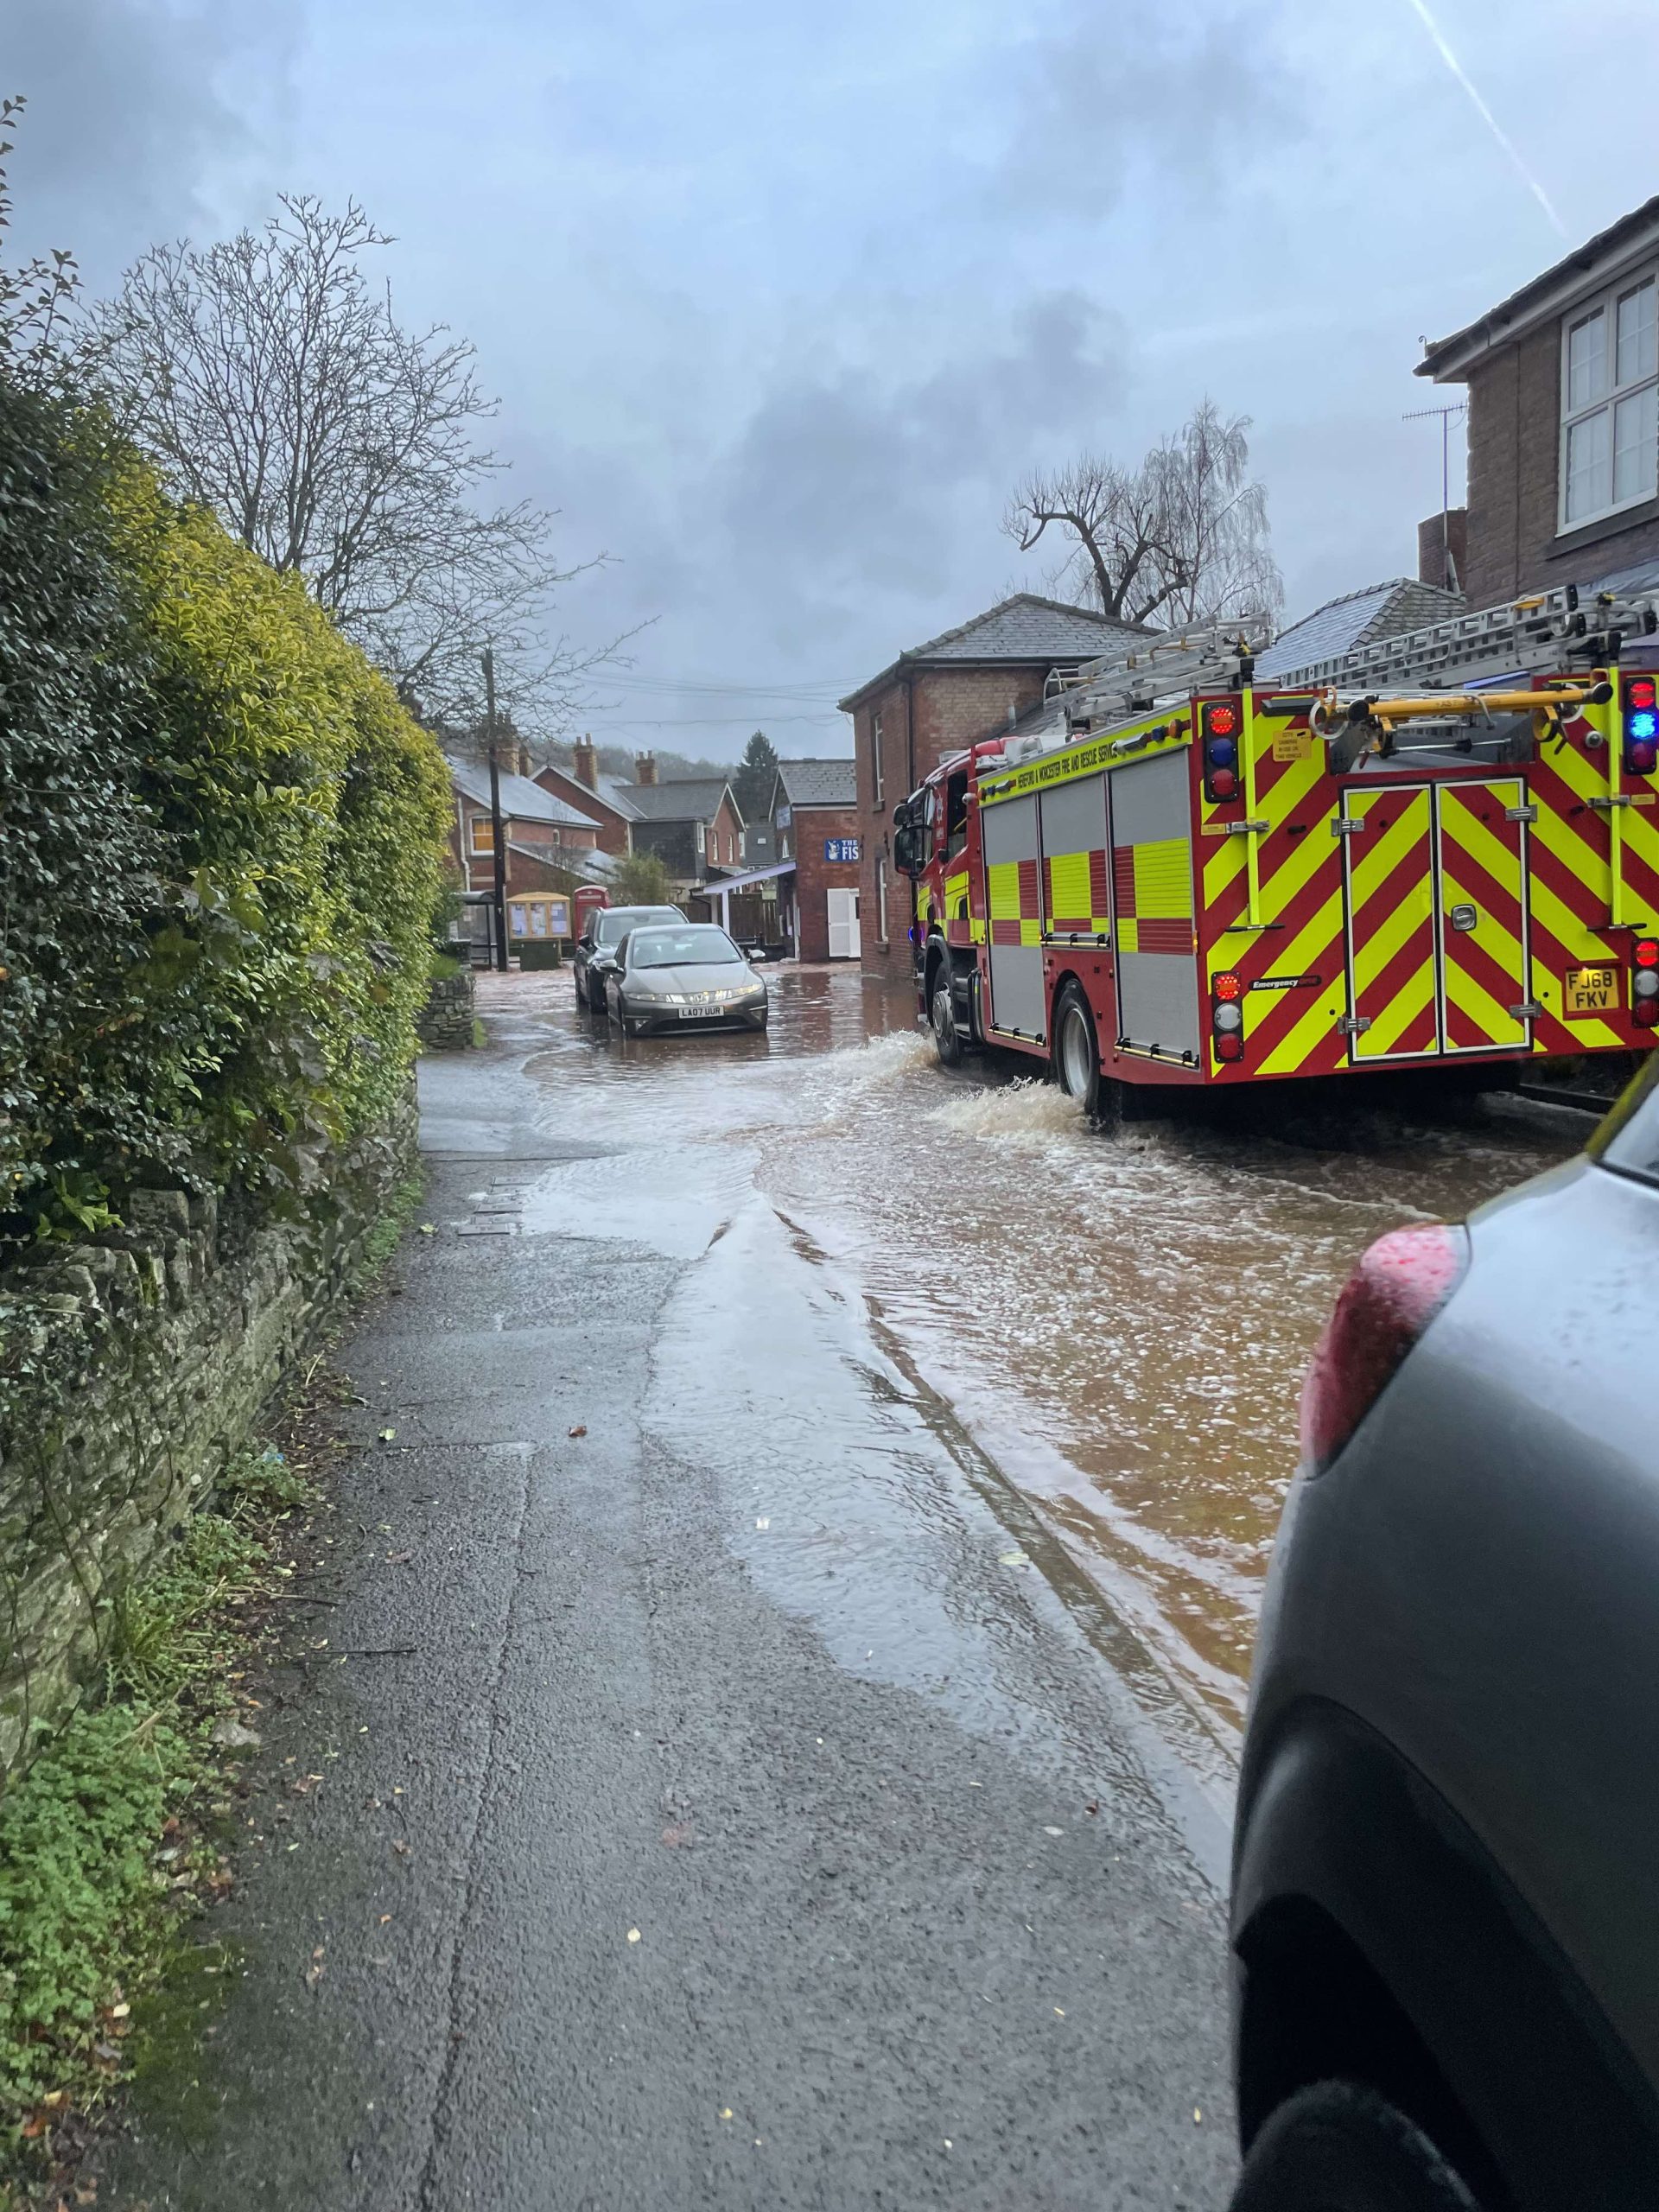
(1437, 851)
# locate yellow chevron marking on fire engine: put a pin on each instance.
(1293, 790)
(1559, 921)
(1413, 998)
(1163, 879)
(1379, 945)
(1068, 877)
(1586, 782)
(1376, 863)
(1466, 832)
(1226, 863)
(1579, 860)
(1319, 942)
(1494, 1021)
(1003, 882)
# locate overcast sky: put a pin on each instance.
(780, 299)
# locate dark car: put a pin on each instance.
(1446, 1893)
(692, 977)
(604, 929)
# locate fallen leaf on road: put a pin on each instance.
(726, 2112)
(384, 1917)
(1094, 1808)
(766, 1524)
(313, 1971)
(681, 1833)
(633, 1934)
(399, 1559)
(387, 1435)
(1198, 2116)
(1012, 1559)
(1053, 1831)
(581, 1429)
(401, 1848)
(427, 1228)
(1057, 2013)
(232, 1736)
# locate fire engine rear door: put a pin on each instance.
(1008, 837)
(1152, 906)
(1388, 886)
(1482, 865)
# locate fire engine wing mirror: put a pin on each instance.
(901, 814)
(905, 857)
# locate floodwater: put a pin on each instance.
(1113, 1328)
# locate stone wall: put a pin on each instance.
(135, 1366)
(445, 1023)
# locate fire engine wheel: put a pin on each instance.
(1077, 1054)
(946, 1036)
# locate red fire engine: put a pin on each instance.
(1174, 876)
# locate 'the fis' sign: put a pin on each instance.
(841, 848)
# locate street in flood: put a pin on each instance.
(1118, 1324)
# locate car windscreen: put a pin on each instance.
(704, 947)
(1628, 1138)
(616, 921)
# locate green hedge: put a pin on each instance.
(220, 845)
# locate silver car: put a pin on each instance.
(595, 953)
(692, 977)
(1446, 1900)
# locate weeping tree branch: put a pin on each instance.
(1182, 539)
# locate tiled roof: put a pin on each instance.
(1385, 610)
(1023, 628)
(695, 799)
(521, 800)
(820, 782)
(613, 794)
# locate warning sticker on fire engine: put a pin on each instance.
(1291, 744)
(1589, 990)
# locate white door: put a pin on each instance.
(843, 925)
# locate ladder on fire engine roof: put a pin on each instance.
(1548, 632)
(1170, 665)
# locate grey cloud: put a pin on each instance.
(846, 492)
(133, 107)
(1200, 100)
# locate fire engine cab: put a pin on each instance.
(1439, 850)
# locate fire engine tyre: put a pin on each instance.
(1077, 1055)
(1339, 2147)
(946, 1035)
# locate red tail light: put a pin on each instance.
(1395, 1292)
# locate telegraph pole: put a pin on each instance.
(498, 828)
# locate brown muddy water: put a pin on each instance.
(1119, 1324)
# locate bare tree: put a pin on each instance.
(1182, 539)
(270, 380)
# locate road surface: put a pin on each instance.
(732, 1791)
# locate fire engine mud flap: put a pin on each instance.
(1018, 1004)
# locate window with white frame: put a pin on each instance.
(875, 755)
(1610, 403)
(881, 902)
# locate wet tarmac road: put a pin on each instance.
(808, 1786)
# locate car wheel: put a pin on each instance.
(946, 1039)
(1339, 2147)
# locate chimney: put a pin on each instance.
(1442, 549)
(523, 762)
(584, 763)
(645, 768)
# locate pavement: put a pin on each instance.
(718, 1807)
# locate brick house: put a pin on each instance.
(692, 825)
(966, 684)
(813, 816)
(585, 786)
(1563, 427)
(542, 833)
